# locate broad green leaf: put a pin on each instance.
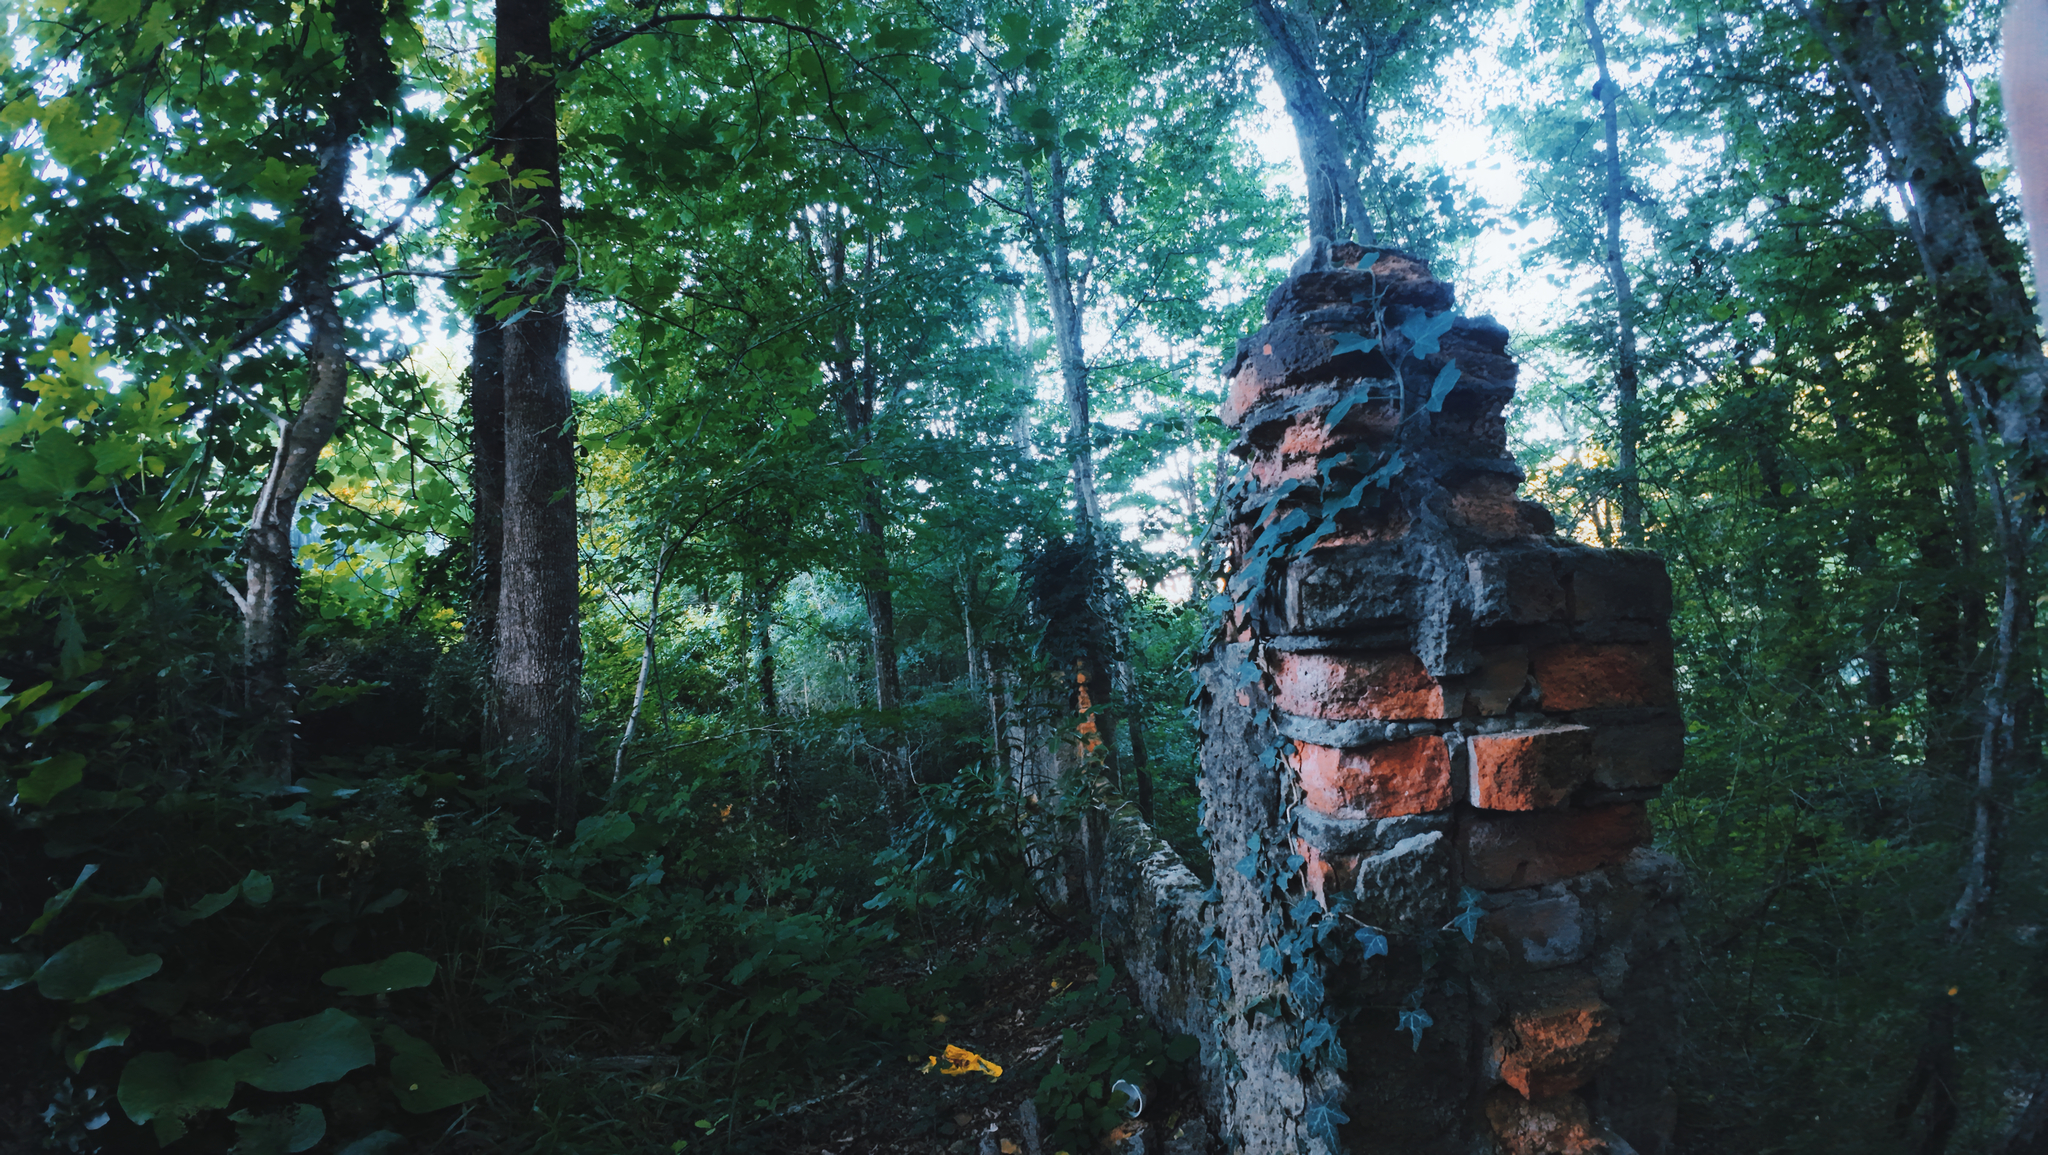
(55, 904)
(208, 906)
(422, 1081)
(17, 969)
(376, 1143)
(401, 971)
(114, 1035)
(305, 1052)
(50, 777)
(91, 967)
(295, 1128)
(157, 1085)
(257, 888)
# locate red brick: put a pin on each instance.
(1555, 1048)
(1412, 776)
(1529, 769)
(1587, 676)
(1486, 504)
(1244, 394)
(1504, 850)
(1342, 687)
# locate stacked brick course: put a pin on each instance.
(1464, 701)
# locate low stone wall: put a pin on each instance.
(1430, 731)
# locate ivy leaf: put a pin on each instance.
(402, 971)
(91, 967)
(1415, 1021)
(1373, 941)
(305, 1052)
(1353, 343)
(1425, 331)
(1322, 1120)
(1445, 380)
(1248, 866)
(1307, 989)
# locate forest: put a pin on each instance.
(536, 538)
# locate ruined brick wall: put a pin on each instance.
(1438, 724)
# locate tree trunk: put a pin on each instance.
(1335, 208)
(487, 481)
(536, 669)
(1626, 372)
(1055, 259)
(2025, 93)
(646, 663)
(270, 571)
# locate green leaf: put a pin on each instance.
(91, 967)
(114, 1035)
(55, 904)
(49, 778)
(1425, 331)
(158, 1086)
(208, 906)
(17, 969)
(422, 1081)
(1442, 388)
(305, 1052)
(295, 1128)
(401, 971)
(376, 1143)
(257, 888)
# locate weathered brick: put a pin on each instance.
(1412, 776)
(1558, 1125)
(1590, 676)
(1517, 586)
(1529, 769)
(1503, 675)
(1388, 684)
(1555, 1048)
(1638, 756)
(1543, 932)
(1503, 850)
(1613, 584)
(1353, 586)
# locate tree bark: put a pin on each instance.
(1627, 376)
(2025, 92)
(536, 669)
(646, 663)
(270, 572)
(1052, 245)
(1335, 207)
(487, 481)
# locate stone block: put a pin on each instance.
(1557, 1047)
(1529, 769)
(1609, 584)
(1411, 776)
(1323, 732)
(1602, 675)
(1502, 676)
(1404, 887)
(1643, 755)
(1515, 586)
(1504, 850)
(1537, 933)
(1486, 505)
(1353, 586)
(1558, 1125)
(1339, 687)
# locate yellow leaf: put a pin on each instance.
(961, 1061)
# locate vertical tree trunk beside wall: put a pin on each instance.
(270, 572)
(536, 667)
(1627, 375)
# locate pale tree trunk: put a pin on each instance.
(1335, 208)
(1064, 286)
(536, 669)
(1627, 375)
(270, 572)
(2025, 93)
(647, 654)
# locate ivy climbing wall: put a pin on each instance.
(1430, 730)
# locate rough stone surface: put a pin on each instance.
(1503, 850)
(1343, 687)
(1557, 1046)
(1590, 676)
